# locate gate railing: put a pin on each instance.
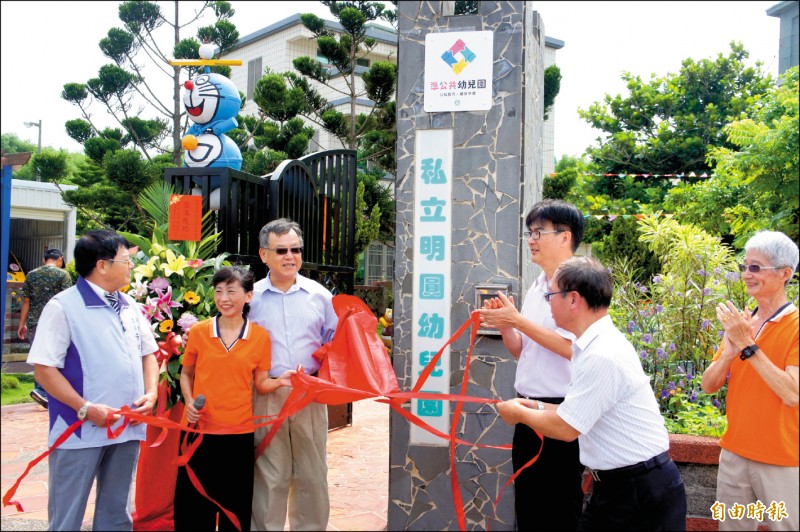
(317, 191)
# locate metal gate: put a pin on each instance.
(317, 191)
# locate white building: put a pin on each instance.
(551, 45)
(40, 220)
(277, 45)
(789, 41)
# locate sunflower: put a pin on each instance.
(165, 326)
(191, 298)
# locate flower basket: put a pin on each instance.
(155, 478)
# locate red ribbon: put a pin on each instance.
(7, 498)
(186, 452)
(355, 339)
(355, 366)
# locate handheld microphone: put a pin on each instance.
(199, 402)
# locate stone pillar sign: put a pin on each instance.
(433, 219)
(469, 159)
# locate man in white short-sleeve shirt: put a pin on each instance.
(94, 354)
(555, 229)
(610, 408)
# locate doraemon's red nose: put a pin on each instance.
(188, 84)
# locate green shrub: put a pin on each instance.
(16, 388)
(595, 231)
(26, 378)
(695, 413)
(559, 185)
(671, 321)
(623, 242)
(73, 273)
(9, 382)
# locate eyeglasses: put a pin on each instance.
(128, 260)
(548, 295)
(536, 235)
(284, 251)
(755, 268)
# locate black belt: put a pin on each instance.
(552, 400)
(631, 470)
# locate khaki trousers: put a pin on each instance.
(744, 482)
(293, 470)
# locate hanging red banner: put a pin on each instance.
(185, 217)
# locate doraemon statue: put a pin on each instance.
(212, 101)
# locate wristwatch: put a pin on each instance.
(84, 410)
(748, 351)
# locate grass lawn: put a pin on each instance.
(17, 388)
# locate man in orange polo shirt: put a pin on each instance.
(758, 463)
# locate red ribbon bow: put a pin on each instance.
(168, 347)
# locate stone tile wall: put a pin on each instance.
(497, 175)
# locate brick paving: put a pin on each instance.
(358, 468)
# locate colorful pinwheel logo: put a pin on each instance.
(458, 49)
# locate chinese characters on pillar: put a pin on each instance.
(433, 185)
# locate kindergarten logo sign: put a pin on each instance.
(458, 71)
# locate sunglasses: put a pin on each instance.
(755, 268)
(284, 251)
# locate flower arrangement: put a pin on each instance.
(171, 281)
(174, 293)
(671, 320)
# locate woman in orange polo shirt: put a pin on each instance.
(225, 358)
(758, 477)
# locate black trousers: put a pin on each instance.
(224, 464)
(548, 494)
(651, 500)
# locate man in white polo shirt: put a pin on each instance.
(610, 408)
(94, 354)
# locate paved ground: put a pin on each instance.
(358, 468)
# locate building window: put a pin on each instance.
(253, 75)
(379, 263)
(363, 62)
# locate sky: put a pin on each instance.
(47, 44)
(604, 39)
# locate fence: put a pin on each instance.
(317, 191)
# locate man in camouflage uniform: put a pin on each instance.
(40, 285)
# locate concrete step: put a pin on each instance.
(14, 357)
